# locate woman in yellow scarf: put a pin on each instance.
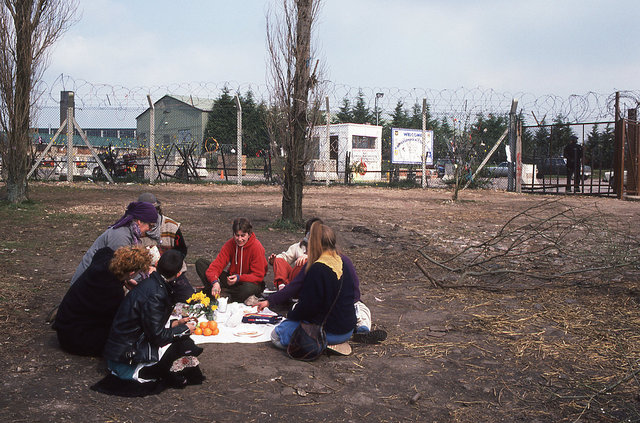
(325, 282)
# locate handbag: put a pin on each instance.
(309, 340)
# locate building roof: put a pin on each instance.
(201, 104)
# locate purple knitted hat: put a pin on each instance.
(145, 212)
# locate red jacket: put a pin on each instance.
(248, 262)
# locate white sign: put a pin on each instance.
(406, 146)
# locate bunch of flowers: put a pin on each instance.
(200, 304)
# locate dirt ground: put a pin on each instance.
(565, 353)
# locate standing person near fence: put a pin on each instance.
(573, 156)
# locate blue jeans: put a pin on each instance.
(286, 328)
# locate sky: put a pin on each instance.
(558, 47)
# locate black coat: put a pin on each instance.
(85, 314)
(138, 329)
(573, 154)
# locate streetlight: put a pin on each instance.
(378, 95)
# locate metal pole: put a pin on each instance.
(512, 144)
(518, 168)
(239, 141)
(618, 158)
(152, 141)
(424, 142)
(70, 155)
(378, 95)
(327, 161)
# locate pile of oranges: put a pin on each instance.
(207, 328)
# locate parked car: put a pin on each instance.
(552, 166)
(500, 170)
(608, 177)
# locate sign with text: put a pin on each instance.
(406, 146)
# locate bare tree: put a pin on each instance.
(27, 29)
(292, 88)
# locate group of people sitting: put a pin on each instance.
(128, 282)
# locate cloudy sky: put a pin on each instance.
(559, 47)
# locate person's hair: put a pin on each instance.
(129, 259)
(321, 239)
(307, 229)
(307, 225)
(170, 263)
(242, 224)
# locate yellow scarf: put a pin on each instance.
(333, 261)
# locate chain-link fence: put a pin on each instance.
(194, 133)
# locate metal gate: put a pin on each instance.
(544, 165)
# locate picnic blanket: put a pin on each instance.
(232, 330)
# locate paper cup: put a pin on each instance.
(222, 304)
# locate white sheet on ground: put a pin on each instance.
(233, 330)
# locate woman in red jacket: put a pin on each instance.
(247, 266)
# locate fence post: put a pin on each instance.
(327, 161)
(512, 145)
(632, 144)
(239, 141)
(519, 156)
(618, 159)
(152, 141)
(424, 142)
(70, 154)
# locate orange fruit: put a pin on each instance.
(204, 324)
(207, 332)
(213, 325)
(198, 331)
(215, 331)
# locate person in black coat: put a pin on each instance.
(141, 348)
(573, 156)
(85, 314)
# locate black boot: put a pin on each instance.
(194, 375)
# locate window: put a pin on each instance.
(333, 147)
(360, 141)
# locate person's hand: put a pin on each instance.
(300, 261)
(215, 289)
(262, 305)
(190, 322)
(130, 284)
(232, 279)
(272, 258)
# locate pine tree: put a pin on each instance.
(254, 128)
(360, 112)
(222, 122)
(344, 115)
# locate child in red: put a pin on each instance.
(288, 264)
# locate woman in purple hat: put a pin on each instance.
(139, 218)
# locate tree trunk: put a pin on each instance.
(292, 196)
(17, 155)
(294, 169)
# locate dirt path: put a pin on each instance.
(460, 354)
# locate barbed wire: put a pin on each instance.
(458, 103)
